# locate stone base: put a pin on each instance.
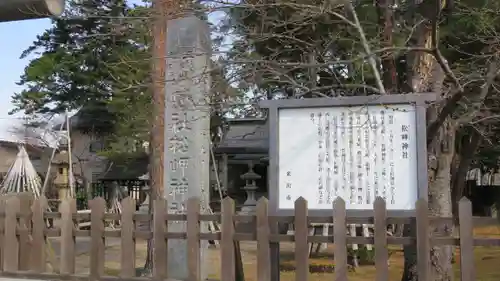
(246, 227)
(177, 254)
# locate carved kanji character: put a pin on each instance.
(179, 186)
(178, 144)
(179, 163)
(180, 122)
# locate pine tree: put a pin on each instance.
(90, 57)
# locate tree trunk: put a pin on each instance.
(467, 142)
(159, 29)
(440, 156)
(424, 75)
(440, 201)
(468, 145)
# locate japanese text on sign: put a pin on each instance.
(360, 153)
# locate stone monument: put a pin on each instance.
(187, 130)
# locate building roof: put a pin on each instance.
(32, 149)
(96, 118)
(248, 136)
(128, 168)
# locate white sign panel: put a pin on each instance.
(356, 153)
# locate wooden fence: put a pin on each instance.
(23, 234)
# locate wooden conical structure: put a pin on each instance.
(22, 176)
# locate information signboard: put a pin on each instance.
(357, 153)
(356, 148)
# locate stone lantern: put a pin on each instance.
(250, 204)
(250, 187)
(61, 164)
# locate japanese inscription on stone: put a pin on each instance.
(360, 153)
(178, 131)
(186, 118)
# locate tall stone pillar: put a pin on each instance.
(187, 130)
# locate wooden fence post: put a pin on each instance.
(10, 242)
(3, 202)
(127, 268)
(340, 239)
(380, 237)
(423, 245)
(67, 208)
(227, 242)
(25, 200)
(301, 245)
(263, 245)
(467, 270)
(38, 263)
(193, 238)
(97, 207)
(159, 241)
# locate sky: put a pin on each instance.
(15, 37)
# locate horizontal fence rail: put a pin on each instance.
(24, 232)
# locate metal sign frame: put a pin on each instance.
(420, 101)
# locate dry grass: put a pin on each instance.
(487, 260)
